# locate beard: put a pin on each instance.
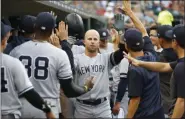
(92, 50)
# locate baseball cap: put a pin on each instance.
(178, 34)
(162, 31)
(27, 24)
(104, 34)
(45, 21)
(5, 29)
(134, 39)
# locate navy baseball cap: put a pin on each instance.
(45, 21)
(27, 24)
(104, 34)
(162, 31)
(178, 34)
(4, 30)
(134, 39)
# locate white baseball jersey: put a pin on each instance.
(45, 64)
(14, 82)
(99, 67)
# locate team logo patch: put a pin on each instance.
(104, 34)
(138, 43)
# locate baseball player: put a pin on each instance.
(94, 104)
(46, 64)
(75, 30)
(15, 83)
(26, 33)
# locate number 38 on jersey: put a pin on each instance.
(37, 67)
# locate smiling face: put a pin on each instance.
(153, 37)
(92, 41)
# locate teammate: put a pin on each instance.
(15, 83)
(26, 33)
(178, 44)
(75, 30)
(143, 85)
(48, 67)
(94, 104)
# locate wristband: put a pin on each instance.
(86, 88)
(46, 108)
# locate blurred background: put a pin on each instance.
(96, 14)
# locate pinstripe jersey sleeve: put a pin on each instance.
(20, 77)
(64, 67)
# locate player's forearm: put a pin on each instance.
(35, 99)
(155, 66)
(138, 24)
(133, 106)
(70, 89)
(179, 108)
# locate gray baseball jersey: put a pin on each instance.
(99, 67)
(45, 64)
(14, 82)
(77, 49)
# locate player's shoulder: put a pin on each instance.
(79, 55)
(9, 60)
(21, 46)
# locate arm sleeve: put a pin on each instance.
(135, 84)
(116, 57)
(179, 77)
(20, 77)
(64, 67)
(35, 99)
(121, 89)
(70, 89)
(123, 84)
(66, 47)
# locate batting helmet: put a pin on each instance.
(75, 25)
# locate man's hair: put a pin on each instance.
(135, 49)
(154, 27)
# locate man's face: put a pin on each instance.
(103, 43)
(153, 37)
(174, 44)
(5, 39)
(92, 41)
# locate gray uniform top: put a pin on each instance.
(77, 49)
(99, 67)
(45, 64)
(14, 82)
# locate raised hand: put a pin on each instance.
(126, 8)
(62, 31)
(132, 60)
(54, 40)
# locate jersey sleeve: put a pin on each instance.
(20, 77)
(173, 64)
(64, 67)
(13, 52)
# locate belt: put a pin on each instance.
(94, 103)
